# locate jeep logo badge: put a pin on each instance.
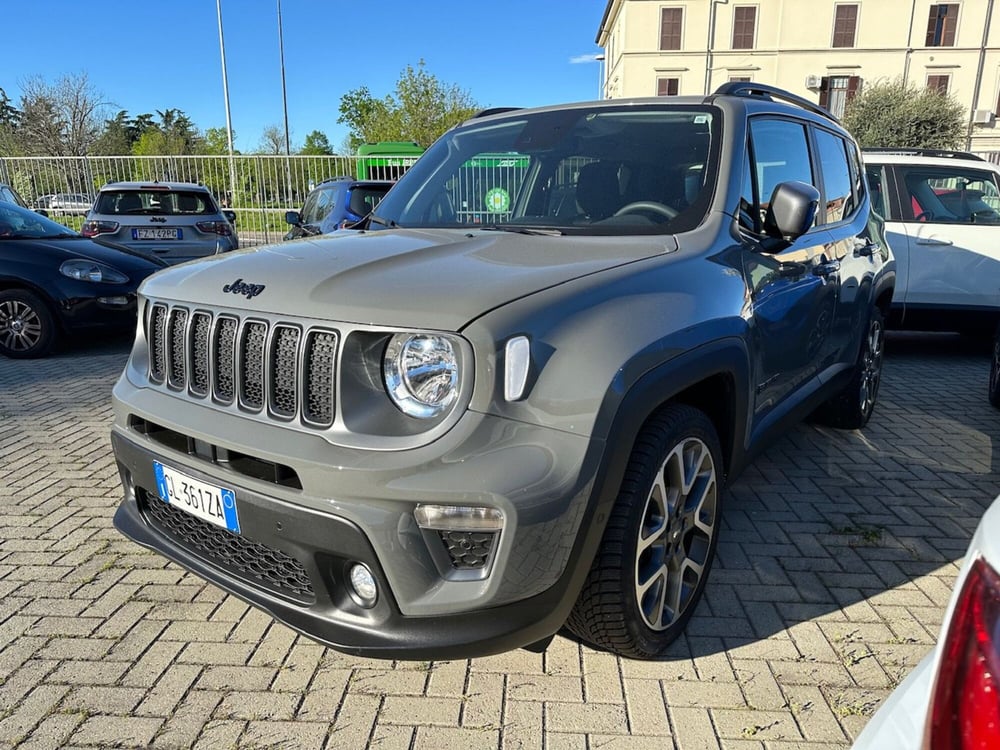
(241, 287)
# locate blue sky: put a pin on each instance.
(148, 56)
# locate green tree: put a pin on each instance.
(215, 142)
(897, 114)
(173, 135)
(10, 118)
(420, 109)
(317, 144)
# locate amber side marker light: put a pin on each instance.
(965, 701)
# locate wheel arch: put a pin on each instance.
(713, 378)
(7, 284)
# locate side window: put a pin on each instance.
(749, 209)
(781, 153)
(879, 190)
(318, 205)
(945, 195)
(832, 151)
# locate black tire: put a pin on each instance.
(852, 407)
(995, 370)
(27, 328)
(650, 550)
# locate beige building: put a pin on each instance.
(825, 50)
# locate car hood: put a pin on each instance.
(133, 264)
(439, 279)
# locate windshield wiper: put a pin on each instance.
(382, 222)
(544, 231)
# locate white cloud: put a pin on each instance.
(584, 58)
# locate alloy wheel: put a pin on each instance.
(678, 524)
(871, 367)
(21, 327)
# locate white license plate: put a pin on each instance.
(215, 505)
(156, 233)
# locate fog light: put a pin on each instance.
(363, 583)
(458, 518)
(118, 301)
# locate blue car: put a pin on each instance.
(335, 204)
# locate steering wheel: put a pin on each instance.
(924, 216)
(650, 206)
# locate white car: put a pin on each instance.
(951, 701)
(942, 212)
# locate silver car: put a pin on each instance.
(176, 221)
(950, 700)
(69, 204)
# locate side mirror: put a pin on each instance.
(293, 218)
(230, 215)
(790, 214)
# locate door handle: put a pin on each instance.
(827, 269)
(867, 250)
(933, 241)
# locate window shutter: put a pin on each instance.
(824, 92)
(853, 86)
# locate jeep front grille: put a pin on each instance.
(256, 364)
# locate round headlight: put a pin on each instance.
(421, 373)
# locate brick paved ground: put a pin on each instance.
(836, 563)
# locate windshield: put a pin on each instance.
(22, 223)
(631, 169)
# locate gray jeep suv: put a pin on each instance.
(516, 406)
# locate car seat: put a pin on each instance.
(128, 202)
(597, 190)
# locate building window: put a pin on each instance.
(941, 25)
(668, 86)
(939, 83)
(671, 23)
(836, 91)
(845, 25)
(744, 26)
(740, 79)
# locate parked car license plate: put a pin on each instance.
(215, 505)
(157, 233)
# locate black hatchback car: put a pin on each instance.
(334, 204)
(54, 283)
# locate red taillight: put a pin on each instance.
(965, 701)
(94, 228)
(215, 227)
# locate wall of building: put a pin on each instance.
(793, 48)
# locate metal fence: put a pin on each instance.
(259, 188)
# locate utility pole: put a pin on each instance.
(229, 121)
(284, 102)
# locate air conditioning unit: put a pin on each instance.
(814, 82)
(983, 117)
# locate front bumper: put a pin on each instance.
(296, 545)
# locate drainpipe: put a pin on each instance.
(979, 75)
(909, 44)
(710, 42)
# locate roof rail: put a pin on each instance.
(940, 153)
(493, 111)
(750, 88)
